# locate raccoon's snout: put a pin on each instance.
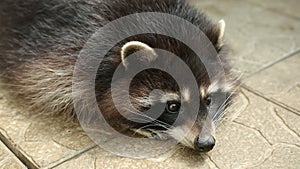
(206, 145)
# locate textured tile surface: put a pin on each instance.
(280, 82)
(97, 158)
(42, 139)
(289, 7)
(252, 138)
(258, 36)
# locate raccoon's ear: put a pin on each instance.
(148, 53)
(221, 27)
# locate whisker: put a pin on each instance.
(222, 106)
(153, 124)
(221, 112)
(219, 115)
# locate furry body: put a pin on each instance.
(40, 42)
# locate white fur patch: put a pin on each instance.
(222, 25)
(162, 97)
(138, 46)
(202, 92)
(215, 87)
(169, 97)
(186, 94)
(145, 101)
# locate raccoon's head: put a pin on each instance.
(194, 132)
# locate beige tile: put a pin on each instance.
(283, 156)
(256, 136)
(98, 158)
(8, 160)
(238, 146)
(257, 36)
(280, 82)
(288, 7)
(274, 123)
(40, 139)
(291, 120)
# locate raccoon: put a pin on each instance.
(40, 41)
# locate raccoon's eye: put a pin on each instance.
(207, 100)
(173, 107)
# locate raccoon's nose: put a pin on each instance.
(204, 145)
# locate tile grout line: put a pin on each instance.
(20, 154)
(68, 158)
(273, 63)
(282, 105)
(9, 155)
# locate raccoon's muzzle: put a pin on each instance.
(202, 145)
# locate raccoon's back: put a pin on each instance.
(33, 27)
(40, 41)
